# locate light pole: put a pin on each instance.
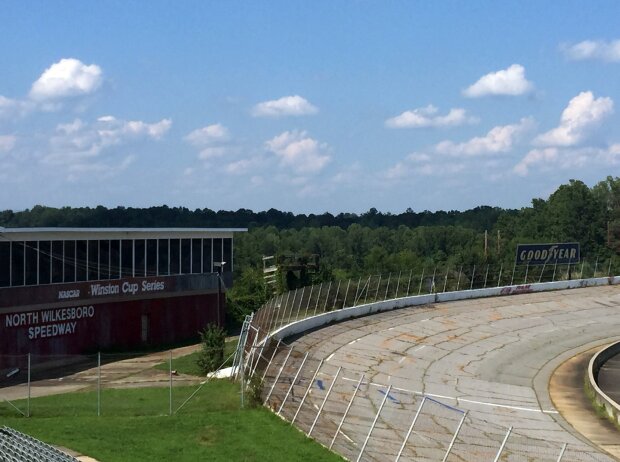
(220, 269)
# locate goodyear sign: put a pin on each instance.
(546, 254)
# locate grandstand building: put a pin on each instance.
(79, 290)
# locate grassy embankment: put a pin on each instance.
(134, 426)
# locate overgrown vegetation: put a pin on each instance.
(211, 355)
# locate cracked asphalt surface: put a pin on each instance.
(489, 358)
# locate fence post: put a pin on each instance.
(336, 296)
(357, 288)
(170, 393)
(609, 269)
(98, 383)
(374, 422)
(562, 452)
(281, 321)
(514, 267)
(595, 268)
(269, 363)
(293, 383)
(346, 293)
(318, 414)
(499, 278)
(421, 278)
(377, 291)
(308, 304)
(501, 448)
(292, 308)
(433, 281)
(527, 268)
(28, 405)
(415, 418)
(387, 287)
(542, 271)
(318, 297)
(445, 280)
(301, 300)
(486, 275)
(398, 284)
(554, 268)
(473, 275)
(458, 283)
(273, 385)
(456, 433)
(344, 416)
(303, 400)
(409, 283)
(329, 287)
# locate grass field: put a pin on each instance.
(187, 364)
(134, 427)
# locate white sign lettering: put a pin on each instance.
(49, 323)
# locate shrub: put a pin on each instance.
(211, 356)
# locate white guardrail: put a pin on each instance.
(612, 409)
(314, 322)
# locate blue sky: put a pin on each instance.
(305, 106)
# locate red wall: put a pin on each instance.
(116, 325)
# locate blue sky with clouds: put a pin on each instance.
(305, 106)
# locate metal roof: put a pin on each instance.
(114, 233)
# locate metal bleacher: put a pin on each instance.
(19, 447)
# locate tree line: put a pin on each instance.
(353, 245)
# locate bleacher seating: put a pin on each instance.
(19, 447)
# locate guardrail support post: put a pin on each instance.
(303, 400)
(346, 293)
(293, 383)
(374, 422)
(421, 278)
(269, 363)
(409, 283)
(501, 448)
(344, 416)
(562, 452)
(473, 275)
(318, 414)
(273, 385)
(456, 433)
(415, 418)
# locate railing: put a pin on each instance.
(309, 301)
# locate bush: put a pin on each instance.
(255, 390)
(211, 356)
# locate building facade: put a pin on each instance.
(76, 290)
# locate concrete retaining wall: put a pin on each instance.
(323, 319)
(612, 409)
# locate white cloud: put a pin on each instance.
(207, 135)
(564, 158)
(498, 139)
(285, 106)
(421, 164)
(212, 152)
(594, 49)
(78, 142)
(242, 166)
(510, 81)
(68, 77)
(299, 152)
(425, 117)
(583, 114)
(7, 143)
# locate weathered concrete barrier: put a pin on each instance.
(343, 314)
(612, 409)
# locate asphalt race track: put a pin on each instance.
(476, 366)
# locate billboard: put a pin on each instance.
(548, 254)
